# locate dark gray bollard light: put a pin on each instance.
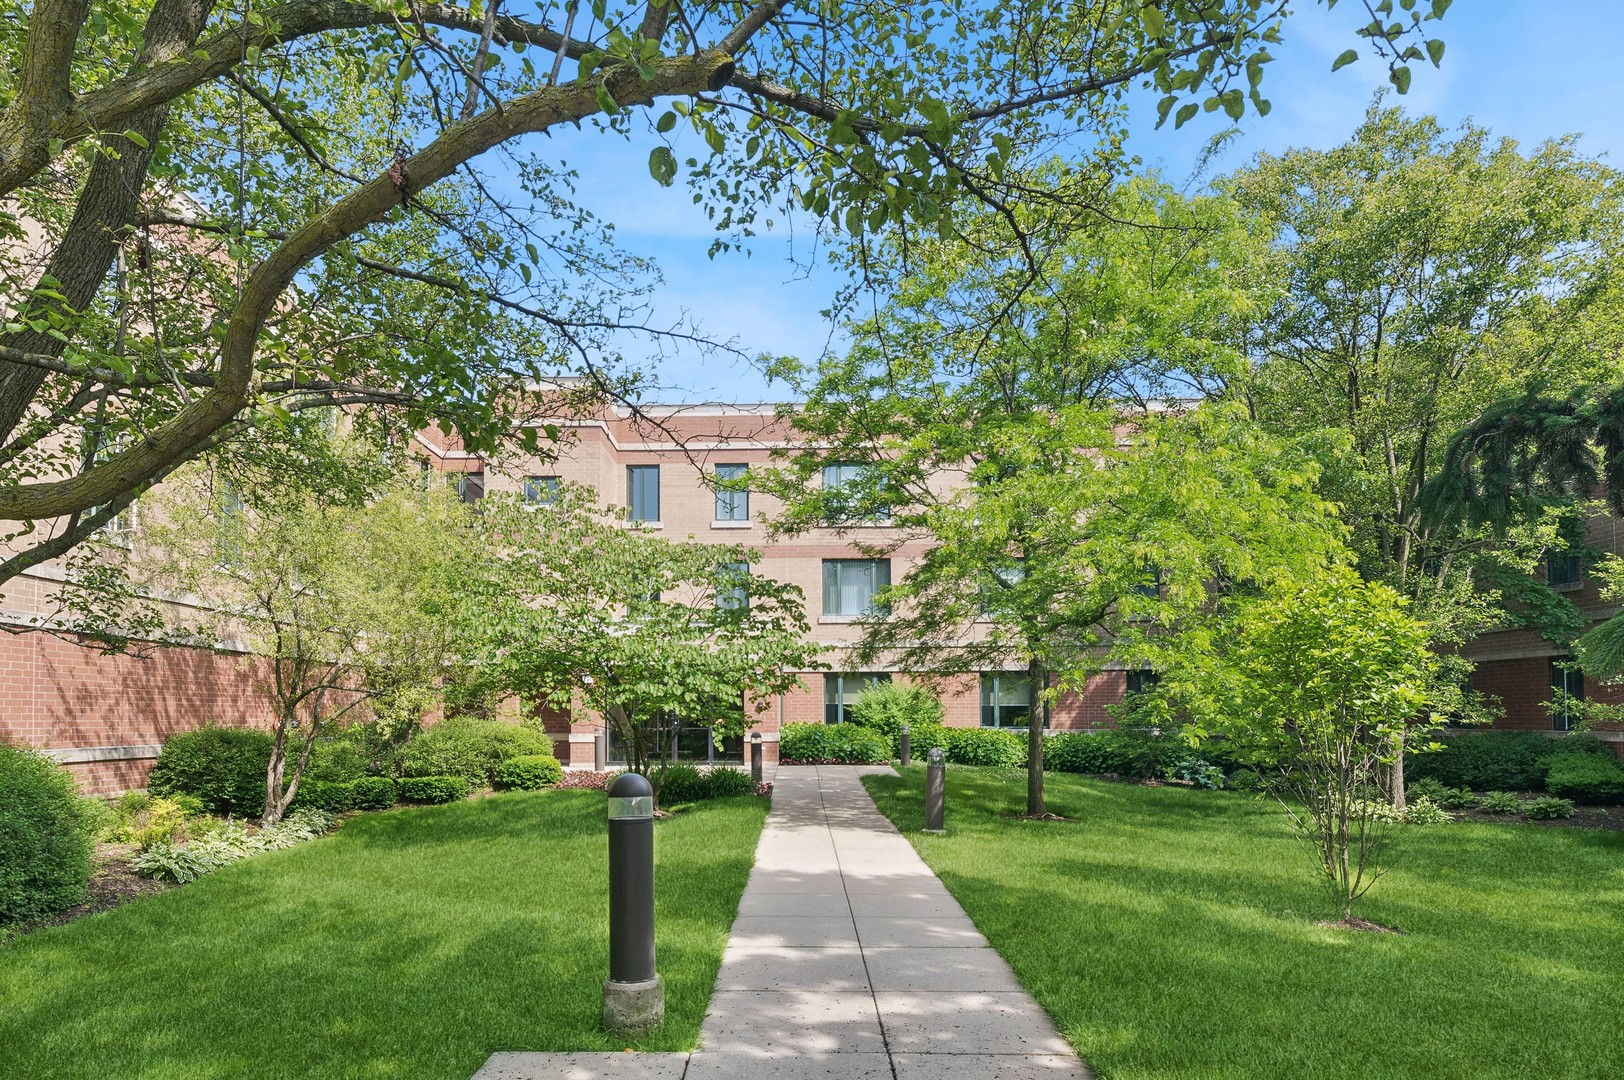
(633, 995)
(904, 747)
(600, 749)
(755, 756)
(935, 790)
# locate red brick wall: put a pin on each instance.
(57, 694)
(1524, 685)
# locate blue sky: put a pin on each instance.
(1530, 71)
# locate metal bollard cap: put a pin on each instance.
(631, 796)
(905, 729)
(935, 755)
(755, 736)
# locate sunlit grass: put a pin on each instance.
(411, 944)
(1177, 933)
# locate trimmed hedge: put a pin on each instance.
(471, 749)
(45, 837)
(362, 793)
(1585, 778)
(984, 746)
(528, 772)
(832, 744)
(1497, 760)
(431, 789)
(222, 767)
(372, 792)
(1082, 752)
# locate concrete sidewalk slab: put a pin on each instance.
(603, 1066)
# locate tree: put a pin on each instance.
(1059, 508)
(349, 600)
(1423, 276)
(582, 607)
(1320, 682)
(224, 216)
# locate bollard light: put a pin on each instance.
(935, 790)
(904, 747)
(633, 995)
(755, 756)
(600, 749)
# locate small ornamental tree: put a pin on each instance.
(1320, 682)
(586, 609)
(349, 596)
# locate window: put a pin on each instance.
(849, 585)
(470, 486)
(732, 503)
(845, 475)
(1564, 567)
(228, 513)
(1006, 577)
(1567, 692)
(1006, 699)
(733, 589)
(1142, 681)
(541, 490)
(1152, 585)
(842, 689)
(99, 445)
(643, 492)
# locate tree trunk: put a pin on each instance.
(1396, 776)
(1037, 680)
(105, 212)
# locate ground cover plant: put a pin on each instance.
(1180, 938)
(414, 943)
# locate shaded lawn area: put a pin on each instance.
(411, 944)
(1172, 933)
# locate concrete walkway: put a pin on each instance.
(849, 961)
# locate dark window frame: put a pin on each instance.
(880, 580)
(835, 691)
(732, 504)
(1566, 678)
(634, 511)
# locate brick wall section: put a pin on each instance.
(1523, 686)
(57, 694)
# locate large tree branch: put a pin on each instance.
(43, 90)
(536, 111)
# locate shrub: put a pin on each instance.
(1427, 787)
(1144, 752)
(335, 761)
(725, 783)
(528, 772)
(431, 789)
(885, 707)
(223, 767)
(471, 749)
(1499, 802)
(831, 744)
(1203, 774)
(145, 820)
(1424, 811)
(985, 746)
(323, 795)
(680, 783)
(1586, 778)
(1546, 807)
(191, 861)
(1245, 779)
(372, 793)
(45, 837)
(924, 738)
(1080, 752)
(1497, 760)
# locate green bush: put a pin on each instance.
(528, 772)
(1497, 760)
(471, 749)
(885, 707)
(1499, 802)
(335, 761)
(724, 783)
(836, 744)
(926, 737)
(1198, 771)
(324, 795)
(1586, 778)
(372, 793)
(1547, 807)
(985, 746)
(681, 783)
(143, 820)
(1434, 790)
(223, 767)
(1245, 780)
(45, 837)
(1080, 752)
(431, 789)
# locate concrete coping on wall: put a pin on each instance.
(79, 755)
(587, 736)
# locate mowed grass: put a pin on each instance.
(411, 944)
(1174, 933)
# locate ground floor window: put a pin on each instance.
(675, 739)
(1567, 693)
(1006, 699)
(841, 690)
(1141, 680)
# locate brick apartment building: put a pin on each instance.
(104, 717)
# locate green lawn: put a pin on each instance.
(411, 944)
(1172, 933)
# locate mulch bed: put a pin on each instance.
(112, 883)
(1610, 818)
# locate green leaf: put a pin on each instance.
(662, 165)
(137, 138)
(666, 122)
(1401, 78)
(1185, 112)
(1234, 105)
(1348, 56)
(606, 101)
(1435, 49)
